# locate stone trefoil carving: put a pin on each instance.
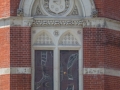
(68, 39)
(43, 39)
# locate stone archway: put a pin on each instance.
(25, 7)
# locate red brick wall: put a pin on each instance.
(20, 82)
(14, 4)
(20, 55)
(4, 82)
(108, 8)
(4, 8)
(20, 49)
(112, 49)
(93, 46)
(101, 48)
(93, 82)
(112, 83)
(99, 6)
(4, 47)
(112, 9)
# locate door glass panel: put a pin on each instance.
(43, 70)
(69, 70)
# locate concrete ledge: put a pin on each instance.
(20, 70)
(4, 71)
(15, 70)
(86, 71)
(100, 71)
(93, 71)
(112, 72)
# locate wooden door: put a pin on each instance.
(43, 70)
(69, 70)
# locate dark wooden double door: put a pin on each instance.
(44, 79)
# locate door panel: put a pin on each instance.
(69, 70)
(43, 70)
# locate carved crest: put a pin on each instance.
(57, 6)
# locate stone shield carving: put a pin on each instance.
(57, 6)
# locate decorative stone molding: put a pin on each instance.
(16, 21)
(20, 70)
(105, 71)
(93, 70)
(4, 71)
(112, 72)
(27, 21)
(89, 71)
(56, 22)
(15, 70)
(49, 22)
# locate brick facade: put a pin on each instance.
(94, 82)
(20, 48)
(20, 82)
(4, 8)
(93, 43)
(112, 49)
(111, 82)
(101, 49)
(4, 82)
(4, 47)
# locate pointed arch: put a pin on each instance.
(43, 38)
(68, 39)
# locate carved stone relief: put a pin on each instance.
(38, 11)
(20, 12)
(43, 39)
(54, 8)
(57, 7)
(45, 23)
(56, 33)
(68, 39)
(74, 11)
(94, 13)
